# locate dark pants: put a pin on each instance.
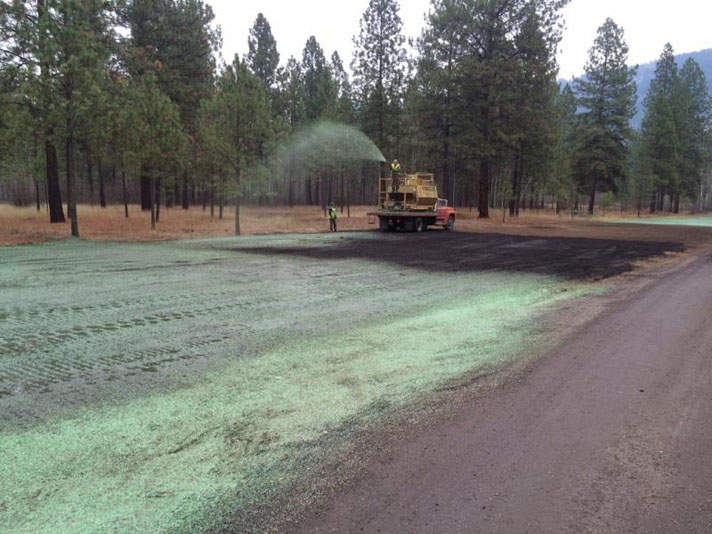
(332, 225)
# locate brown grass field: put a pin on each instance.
(27, 225)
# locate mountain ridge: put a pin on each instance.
(646, 72)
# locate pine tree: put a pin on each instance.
(379, 73)
(607, 95)
(532, 118)
(291, 107)
(81, 33)
(263, 57)
(561, 184)
(177, 37)
(489, 72)
(291, 93)
(319, 88)
(343, 91)
(25, 65)
(434, 105)
(694, 127)
(660, 130)
(158, 135)
(236, 122)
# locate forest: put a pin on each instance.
(130, 101)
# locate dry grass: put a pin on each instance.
(26, 225)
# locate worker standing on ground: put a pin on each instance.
(396, 172)
(332, 217)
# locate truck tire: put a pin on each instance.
(419, 225)
(383, 224)
(450, 226)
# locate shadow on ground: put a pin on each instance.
(569, 258)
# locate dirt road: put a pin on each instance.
(610, 433)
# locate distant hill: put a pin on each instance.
(646, 73)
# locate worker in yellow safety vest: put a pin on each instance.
(396, 172)
(332, 217)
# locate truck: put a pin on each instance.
(410, 202)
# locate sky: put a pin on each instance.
(648, 25)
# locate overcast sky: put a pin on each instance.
(648, 24)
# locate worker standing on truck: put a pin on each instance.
(332, 217)
(396, 172)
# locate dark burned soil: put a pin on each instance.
(570, 258)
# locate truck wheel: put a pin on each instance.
(383, 224)
(419, 224)
(450, 226)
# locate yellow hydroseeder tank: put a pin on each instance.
(408, 192)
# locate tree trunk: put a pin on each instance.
(290, 192)
(69, 156)
(348, 204)
(185, 191)
(515, 179)
(483, 204)
(145, 189)
(37, 194)
(54, 193)
(676, 208)
(90, 178)
(221, 202)
(592, 200)
(307, 191)
(123, 189)
(102, 197)
(237, 204)
(158, 199)
(212, 200)
(71, 172)
(152, 203)
(343, 189)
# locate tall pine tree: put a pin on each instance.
(263, 57)
(607, 96)
(378, 67)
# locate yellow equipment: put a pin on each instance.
(408, 192)
(410, 202)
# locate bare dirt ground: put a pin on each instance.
(27, 225)
(608, 433)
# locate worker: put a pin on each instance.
(332, 217)
(396, 172)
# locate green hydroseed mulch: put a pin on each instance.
(164, 387)
(671, 221)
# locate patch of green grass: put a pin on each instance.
(300, 347)
(671, 221)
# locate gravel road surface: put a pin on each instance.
(612, 432)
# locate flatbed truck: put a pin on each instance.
(410, 202)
